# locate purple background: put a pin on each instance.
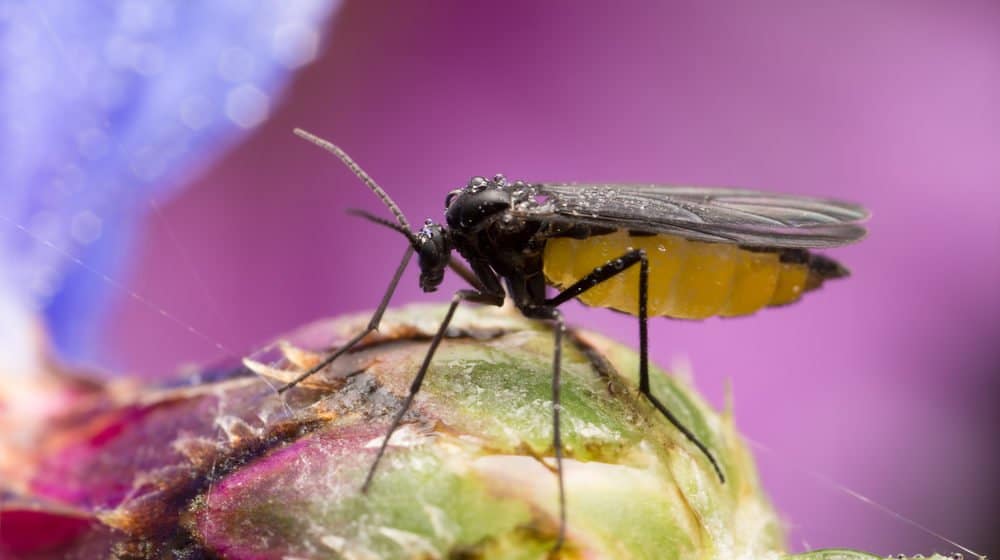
(886, 382)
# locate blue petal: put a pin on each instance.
(107, 105)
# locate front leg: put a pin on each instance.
(460, 296)
(373, 324)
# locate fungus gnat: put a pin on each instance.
(645, 250)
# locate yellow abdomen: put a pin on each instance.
(687, 279)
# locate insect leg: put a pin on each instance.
(644, 387)
(466, 274)
(372, 325)
(600, 274)
(556, 435)
(461, 295)
(605, 272)
(549, 312)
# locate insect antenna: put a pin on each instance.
(456, 266)
(356, 169)
(385, 223)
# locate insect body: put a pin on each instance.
(690, 279)
(684, 252)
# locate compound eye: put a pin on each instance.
(451, 196)
(428, 249)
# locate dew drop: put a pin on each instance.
(247, 106)
(477, 183)
(295, 44)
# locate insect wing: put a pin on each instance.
(749, 218)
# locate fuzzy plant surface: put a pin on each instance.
(219, 466)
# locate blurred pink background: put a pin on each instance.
(886, 382)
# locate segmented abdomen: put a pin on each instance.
(687, 279)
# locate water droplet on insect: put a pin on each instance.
(477, 184)
(618, 264)
(499, 180)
